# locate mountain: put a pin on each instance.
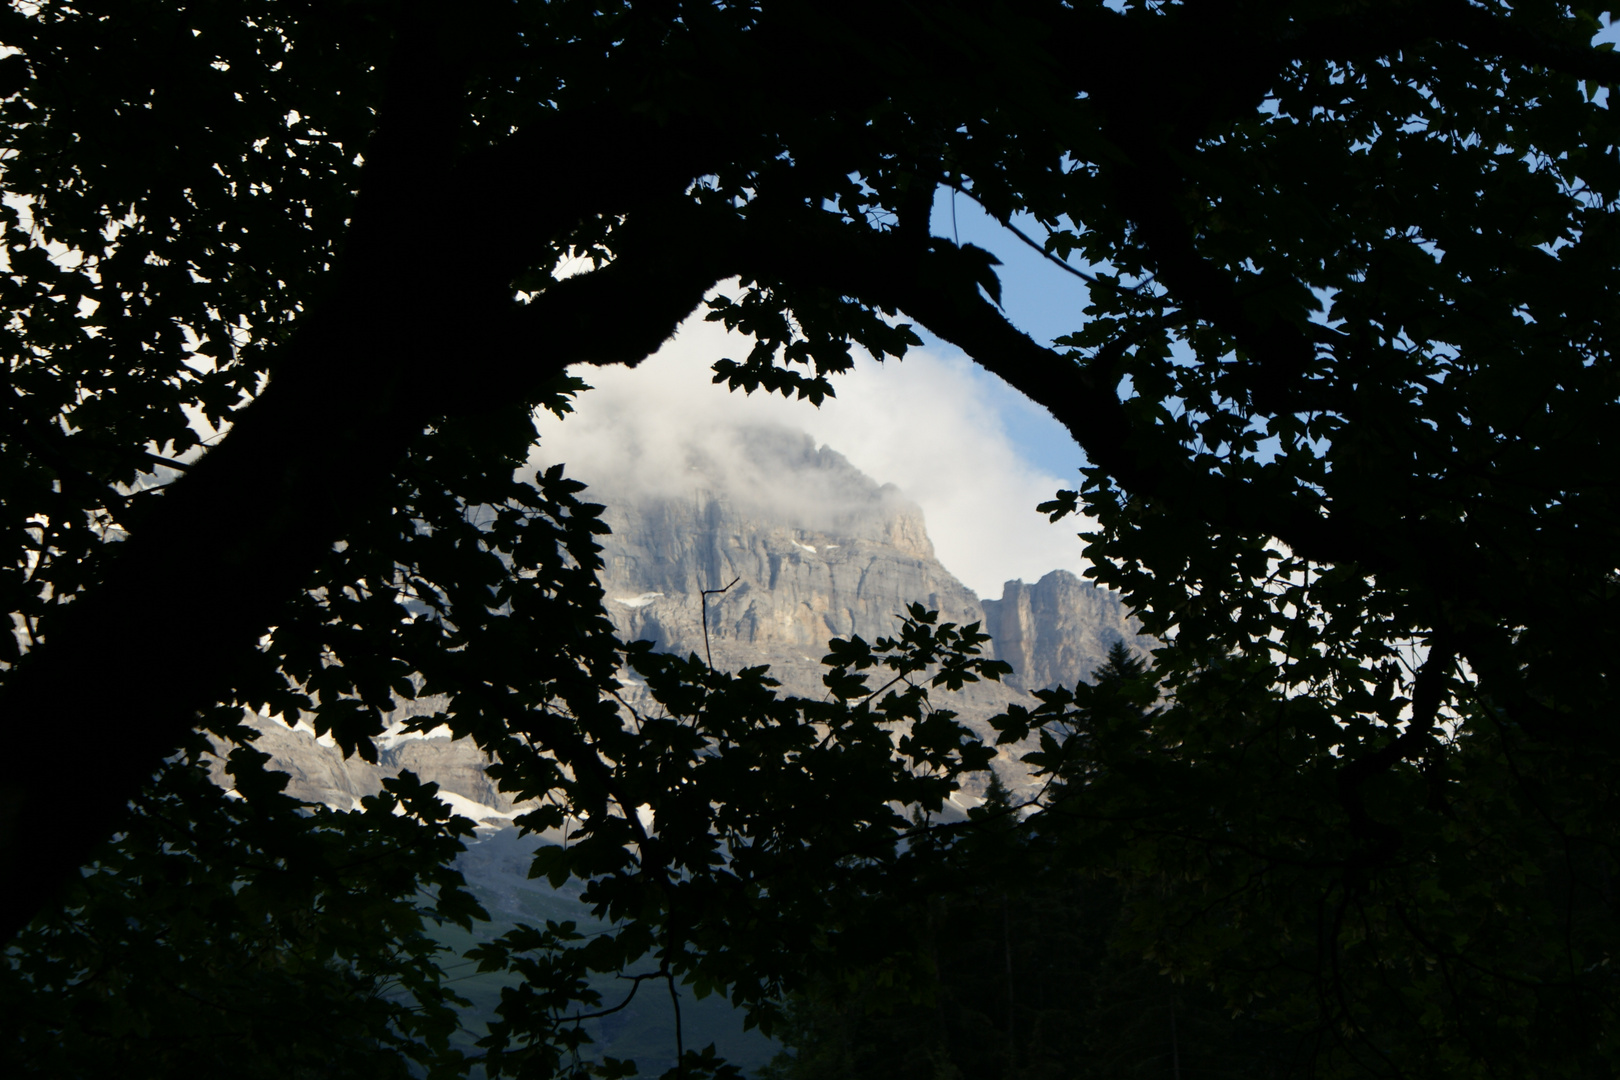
(318, 771)
(1057, 631)
(807, 548)
(799, 546)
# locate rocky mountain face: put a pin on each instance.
(805, 548)
(812, 549)
(1057, 631)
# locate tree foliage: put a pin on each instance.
(1343, 378)
(1182, 896)
(217, 935)
(1028, 969)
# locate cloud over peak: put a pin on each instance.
(931, 426)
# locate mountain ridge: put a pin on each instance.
(798, 546)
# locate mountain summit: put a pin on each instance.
(809, 546)
(812, 548)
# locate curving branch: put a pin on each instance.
(939, 288)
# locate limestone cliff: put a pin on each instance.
(318, 772)
(843, 557)
(811, 548)
(1057, 631)
(817, 549)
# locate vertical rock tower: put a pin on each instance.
(1057, 631)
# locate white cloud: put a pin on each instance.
(934, 425)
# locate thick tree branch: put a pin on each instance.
(419, 322)
(243, 531)
(938, 287)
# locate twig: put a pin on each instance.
(1089, 279)
(675, 999)
(703, 599)
(635, 984)
(167, 461)
(1006, 223)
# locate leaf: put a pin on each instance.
(1060, 506)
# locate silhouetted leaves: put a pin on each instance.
(247, 935)
(1342, 373)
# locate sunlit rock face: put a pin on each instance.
(811, 548)
(319, 773)
(1058, 631)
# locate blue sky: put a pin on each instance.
(1040, 299)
